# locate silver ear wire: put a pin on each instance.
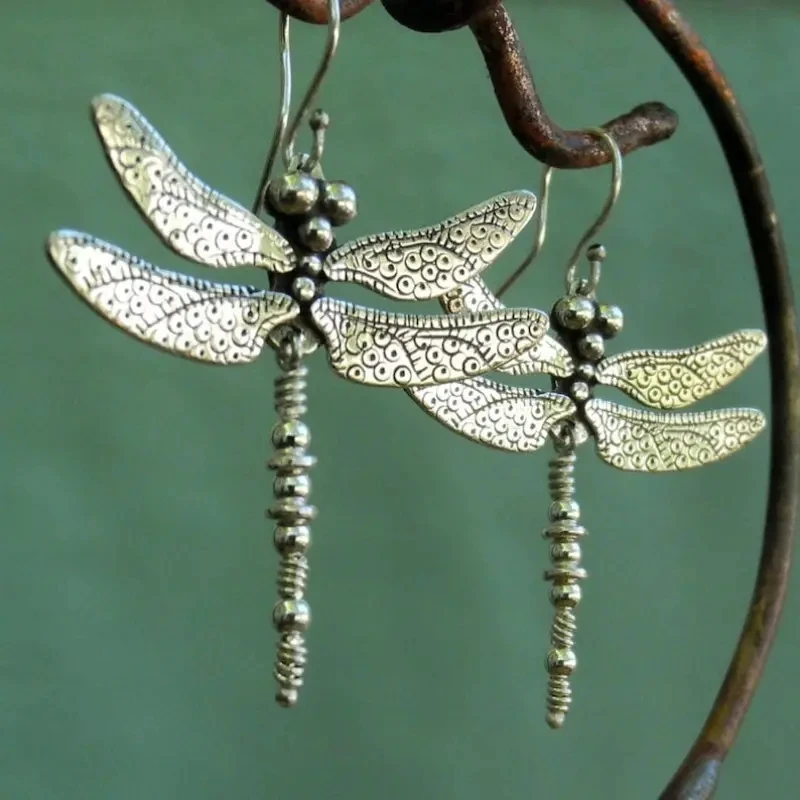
(283, 115)
(331, 45)
(571, 280)
(539, 236)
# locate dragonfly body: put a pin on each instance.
(521, 420)
(224, 324)
(573, 354)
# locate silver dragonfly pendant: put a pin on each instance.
(521, 420)
(223, 324)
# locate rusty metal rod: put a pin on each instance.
(645, 125)
(697, 776)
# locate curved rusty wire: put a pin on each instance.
(647, 124)
(697, 776)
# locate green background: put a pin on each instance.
(136, 570)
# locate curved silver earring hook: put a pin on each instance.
(571, 278)
(538, 237)
(283, 115)
(332, 43)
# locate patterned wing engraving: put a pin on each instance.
(490, 413)
(194, 220)
(205, 321)
(549, 356)
(384, 349)
(677, 378)
(646, 441)
(426, 263)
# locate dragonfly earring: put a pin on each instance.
(521, 420)
(229, 324)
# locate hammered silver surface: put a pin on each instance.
(648, 441)
(380, 348)
(490, 413)
(549, 356)
(428, 262)
(670, 379)
(210, 322)
(193, 220)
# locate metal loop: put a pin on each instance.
(571, 280)
(283, 115)
(538, 237)
(331, 45)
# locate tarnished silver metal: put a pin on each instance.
(573, 354)
(293, 514)
(504, 417)
(227, 324)
(201, 224)
(427, 263)
(564, 532)
(212, 322)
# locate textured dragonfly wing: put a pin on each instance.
(473, 295)
(193, 219)
(677, 378)
(504, 417)
(549, 356)
(427, 263)
(204, 321)
(648, 441)
(385, 349)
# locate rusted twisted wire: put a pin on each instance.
(648, 124)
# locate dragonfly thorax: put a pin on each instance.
(584, 325)
(306, 209)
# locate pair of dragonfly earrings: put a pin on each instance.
(439, 360)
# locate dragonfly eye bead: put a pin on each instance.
(575, 313)
(339, 202)
(609, 319)
(293, 193)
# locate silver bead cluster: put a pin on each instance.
(564, 533)
(292, 514)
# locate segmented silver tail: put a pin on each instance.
(292, 513)
(564, 533)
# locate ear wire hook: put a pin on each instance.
(331, 45)
(283, 115)
(596, 253)
(539, 236)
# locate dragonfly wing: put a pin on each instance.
(204, 321)
(677, 378)
(648, 441)
(549, 356)
(490, 413)
(192, 219)
(380, 348)
(427, 263)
